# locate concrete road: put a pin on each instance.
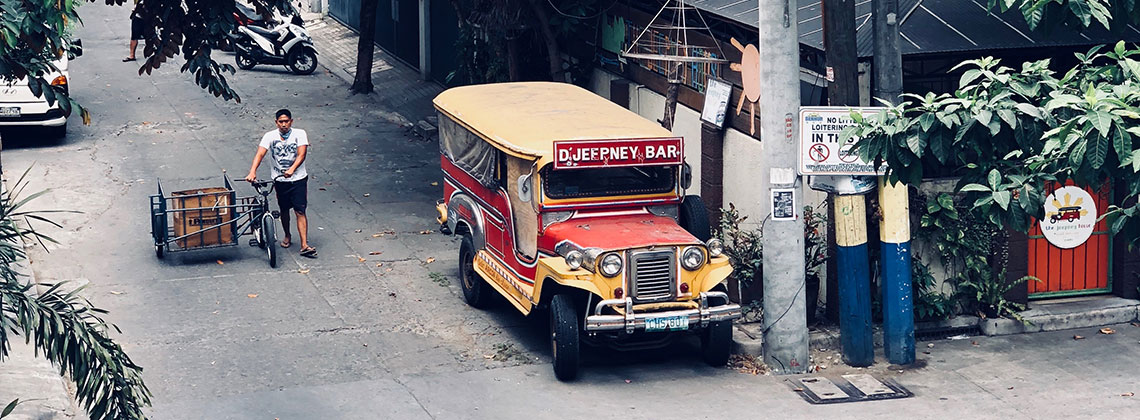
(375, 328)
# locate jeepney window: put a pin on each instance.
(601, 182)
(469, 152)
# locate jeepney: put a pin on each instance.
(571, 206)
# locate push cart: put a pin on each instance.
(206, 218)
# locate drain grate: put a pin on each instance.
(947, 332)
(847, 388)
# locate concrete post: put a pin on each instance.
(785, 317)
(854, 280)
(898, 304)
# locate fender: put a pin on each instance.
(288, 47)
(265, 44)
(461, 208)
(555, 269)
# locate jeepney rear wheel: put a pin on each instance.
(564, 337)
(475, 290)
(716, 341)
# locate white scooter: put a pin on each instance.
(287, 44)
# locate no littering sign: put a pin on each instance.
(822, 152)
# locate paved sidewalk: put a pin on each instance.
(397, 85)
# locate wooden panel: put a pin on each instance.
(1081, 268)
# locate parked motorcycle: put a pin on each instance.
(287, 44)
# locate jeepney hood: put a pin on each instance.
(613, 232)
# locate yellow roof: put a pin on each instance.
(525, 118)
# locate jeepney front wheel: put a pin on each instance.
(564, 337)
(716, 340)
(475, 290)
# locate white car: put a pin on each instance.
(19, 107)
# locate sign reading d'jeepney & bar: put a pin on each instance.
(822, 152)
(581, 154)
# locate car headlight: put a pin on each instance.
(574, 259)
(692, 258)
(716, 247)
(610, 265)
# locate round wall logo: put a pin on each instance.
(1070, 214)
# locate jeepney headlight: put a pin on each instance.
(574, 259)
(716, 247)
(692, 258)
(610, 265)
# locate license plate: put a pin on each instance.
(667, 323)
(10, 111)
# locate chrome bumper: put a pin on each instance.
(631, 322)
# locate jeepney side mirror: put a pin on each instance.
(686, 176)
(526, 190)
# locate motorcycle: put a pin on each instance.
(287, 44)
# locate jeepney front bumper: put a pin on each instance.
(674, 320)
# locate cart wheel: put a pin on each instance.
(269, 232)
(159, 250)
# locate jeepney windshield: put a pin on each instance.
(602, 182)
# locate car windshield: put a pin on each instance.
(602, 182)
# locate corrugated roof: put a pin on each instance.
(930, 26)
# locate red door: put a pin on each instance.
(1076, 271)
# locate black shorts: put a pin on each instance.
(139, 30)
(292, 195)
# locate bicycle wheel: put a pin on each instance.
(269, 232)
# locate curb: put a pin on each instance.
(1040, 322)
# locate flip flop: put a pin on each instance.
(128, 59)
(285, 243)
(309, 252)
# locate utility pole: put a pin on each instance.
(894, 229)
(852, 288)
(785, 315)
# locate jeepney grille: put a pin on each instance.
(652, 275)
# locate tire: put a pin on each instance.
(243, 60)
(269, 232)
(159, 250)
(694, 217)
(475, 289)
(302, 61)
(56, 133)
(716, 341)
(564, 338)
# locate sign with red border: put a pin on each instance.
(581, 154)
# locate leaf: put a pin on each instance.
(917, 143)
(993, 178)
(984, 116)
(1122, 142)
(969, 76)
(1107, 330)
(430, 260)
(1002, 198)
(975, 188)
(1009, 117)
(1081, 11)
(11, 406)
(927, 120)
(304, 271)
(1098, 152)
(1077, 155)
(252, 296)
(220, 262)
(1101, 120)
(946, 201)
(375, 253)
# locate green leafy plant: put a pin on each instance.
(929, 303)
(989, 292)
(743, 246)
(63, 326)
(1011, 134)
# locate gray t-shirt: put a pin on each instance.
(283, 151)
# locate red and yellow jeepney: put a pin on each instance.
(569, 202)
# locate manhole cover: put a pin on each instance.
(848, 388)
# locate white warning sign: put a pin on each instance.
(821, 150)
